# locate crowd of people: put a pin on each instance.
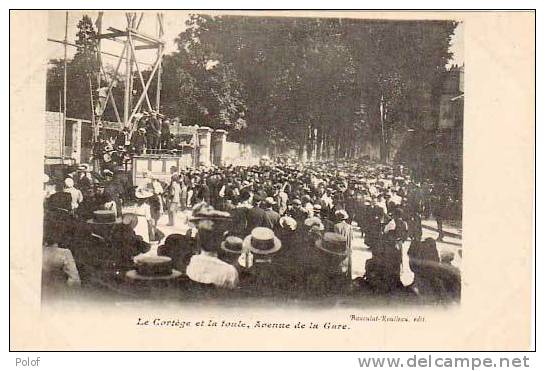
(279, 229)
(152, 133)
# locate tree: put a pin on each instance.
(81, 71)
(198, 87)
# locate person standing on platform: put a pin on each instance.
(165, 134)
(154, 131)
(139, 141)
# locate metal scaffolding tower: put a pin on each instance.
(134, 41)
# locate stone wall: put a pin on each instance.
(53, 122)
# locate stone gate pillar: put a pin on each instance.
(219, 138)
(203, 145)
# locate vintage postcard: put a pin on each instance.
(271, 180)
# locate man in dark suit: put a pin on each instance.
(165, 134)
(153, 131)
(139, 141)
(272, 218)
(60, 199)
(256, 216)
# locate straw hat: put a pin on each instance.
(142, 193)
(262, 241)
(288, 222)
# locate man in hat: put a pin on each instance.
(264, 276)
(113, 189)
(165, 134)
(83, 180)
(297, 212)
(231, 250)
(373, 223)
(350, 202)
(206, 268)
(153, 131)
(240, 215)
(77, 196)
(271, 217)
(440, 201)
(343, 228)
(293, 255)
(59, 199)
(325, 274)
(139, 141)
(202, 190)
(256, 215)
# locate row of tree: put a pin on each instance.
(324, 87)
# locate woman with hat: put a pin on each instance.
(126, 242)
(59, 271)
(143, 212)
(180, 248)
(206, 268)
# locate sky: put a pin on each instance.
(174, 24)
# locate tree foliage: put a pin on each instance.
(315, 85)
(81, 75)
(304, 82)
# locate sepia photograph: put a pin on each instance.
(315, 161)
(271, 180)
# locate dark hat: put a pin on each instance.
(130, 220)
(341, 215)
(232, 244)
(150, 268)
(104, 217)
(332, 243)
(210, 215)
